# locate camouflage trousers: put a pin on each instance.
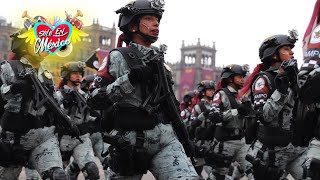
(313, 151)
(99, 147)
(45, 153)
(169, 160)
(82, 153)
(289, 158)
(237, 149)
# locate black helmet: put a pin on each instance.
(206, 84)
(270, 45)
(72, 67)
(138, 7)
(17, 42)
(187, 98)
(234, 69)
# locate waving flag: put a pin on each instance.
(95, 60)
(311, 41)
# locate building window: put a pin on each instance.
(3, 42)
(104, 41)
(189, 60)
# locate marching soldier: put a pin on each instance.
(132, 81)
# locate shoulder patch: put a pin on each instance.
(216, 97)
(260, 83)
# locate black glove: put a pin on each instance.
(195, 123)
(282, 82)
(23, 87)
(244, 110)
(69, 99)
(189, 148)
(140, 73)
(215, 117)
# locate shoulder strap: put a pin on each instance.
(231, 98)
(131, 54)
(202, 106)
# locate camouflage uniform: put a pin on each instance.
(234, 146)
(276, 109)
(82, 153)
(169, 160)
(204, 133)
(40, 143)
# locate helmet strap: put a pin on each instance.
(147, 38)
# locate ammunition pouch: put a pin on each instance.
(217, 159)
(12, 154)
(273, 136)
(226, 134)
(89, 127)
(250, 131)
(129, 161)
(133, 119)
(263, 171)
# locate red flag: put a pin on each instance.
(311, 41)
(95, 60)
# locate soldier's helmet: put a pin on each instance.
(234, 69)
(206, 84)
(136, 8)
(16, 42)
(271, 45)
(69, 67)
(188, 97)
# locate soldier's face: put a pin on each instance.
(239, 80)
(149, 25)
(76, 77)
(286, 53)
(209, 92)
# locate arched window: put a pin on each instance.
(3, 42)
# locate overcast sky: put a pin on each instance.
(236, 26)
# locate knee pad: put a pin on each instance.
(55, 173)
(91, 171)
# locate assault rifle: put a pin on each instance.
(44, 98)
(164, 95)
(83, 105)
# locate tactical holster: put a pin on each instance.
(217, 159)
(12, 153)
(250, 131)
(273, 136)
(130, 160)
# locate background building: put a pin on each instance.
(6, 30)
(198, 62)
(99, 37)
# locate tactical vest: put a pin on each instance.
(125, 116)
(225, 134)
(21, 122)
(271, 136)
